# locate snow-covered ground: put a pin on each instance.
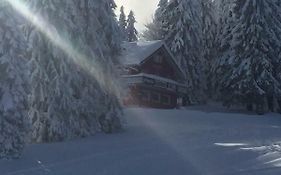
(165, 142)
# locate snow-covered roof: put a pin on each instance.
(134, 53)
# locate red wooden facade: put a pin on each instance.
(149, 97)
(156, 81)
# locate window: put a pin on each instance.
(155, 97)
(166, 99)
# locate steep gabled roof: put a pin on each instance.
(136, 53)
(133, 53)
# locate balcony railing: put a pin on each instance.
(155, 81)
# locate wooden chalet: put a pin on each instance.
(151, 75)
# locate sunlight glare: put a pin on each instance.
(52, 34)
(231, 144)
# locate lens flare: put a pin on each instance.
(86, 63)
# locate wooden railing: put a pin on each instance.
(155, 81)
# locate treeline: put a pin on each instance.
(228, 49)
(57, 76)
(127, 26)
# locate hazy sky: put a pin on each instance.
(143, 10)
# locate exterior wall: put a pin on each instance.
(150, 95)
(140, 95)
(157, 64)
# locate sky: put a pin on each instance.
(143, 9)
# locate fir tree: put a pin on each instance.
(122, 22)
(185, 39)
(155, 30)
(209, 32)
(49, 100)
(226, 22)
(112, 30)
(151, 32)
(70, 78)
(159, 13)
(225, 25)
(132, 33)
(103, 44)
(13, 84)
(249, 76)
(278, 63)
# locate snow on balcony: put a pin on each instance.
(155, 81)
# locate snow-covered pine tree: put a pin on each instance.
(109, 32)
(250, 78)
(51, 100)
(82, 63)
(132, 33)
(226, 22)
(81, 118)
(155, 29)
(277, 64)
(103, 39)
(151, 32)
(184, 39)
(209, 32)
(122, 22)
(160, 11)
(14, 125)
(110, 35)
(225, 25)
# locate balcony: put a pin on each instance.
(156, 82)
